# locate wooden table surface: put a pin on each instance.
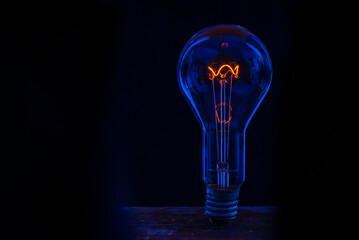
(158, 223)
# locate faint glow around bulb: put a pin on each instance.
(224, 72)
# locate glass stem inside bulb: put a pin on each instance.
(222, 118)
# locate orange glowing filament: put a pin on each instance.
(223, 74)
(221, 105)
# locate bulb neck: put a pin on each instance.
(221, 204)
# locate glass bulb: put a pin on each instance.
(224, 72)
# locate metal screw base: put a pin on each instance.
(221, 204)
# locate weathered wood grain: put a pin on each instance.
(252, 223)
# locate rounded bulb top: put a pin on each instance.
(224, 56)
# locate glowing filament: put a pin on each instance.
(223, 74)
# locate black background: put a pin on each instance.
(94, 118)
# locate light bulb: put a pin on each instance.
(224, 72)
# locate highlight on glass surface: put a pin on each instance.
(224, 72)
